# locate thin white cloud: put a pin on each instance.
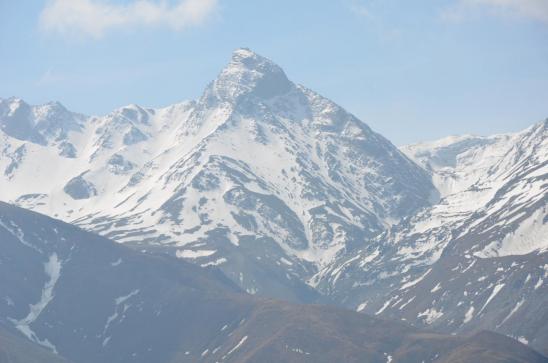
(360, 9)
(531, 9)
(95, 17)
(374, 13)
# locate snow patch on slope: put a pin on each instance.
(52, 269)
(530, 236)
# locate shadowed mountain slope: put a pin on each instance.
(88, 299)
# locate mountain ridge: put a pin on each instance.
(476, 260)
(325, 181)
(293, 197)
(144, 308)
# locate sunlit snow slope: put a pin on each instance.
(476, 260)
(261, 177)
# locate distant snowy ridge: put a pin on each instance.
(478, 259)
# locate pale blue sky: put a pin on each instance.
(412, 70)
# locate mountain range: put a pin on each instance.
(293, 198)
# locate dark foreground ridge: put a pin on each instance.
(89, 300)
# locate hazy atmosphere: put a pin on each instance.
(215, 181)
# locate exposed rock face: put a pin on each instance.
(79, 188)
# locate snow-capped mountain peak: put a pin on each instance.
(47, 124)
(249, 73)
(284, 190)
(189, 177)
